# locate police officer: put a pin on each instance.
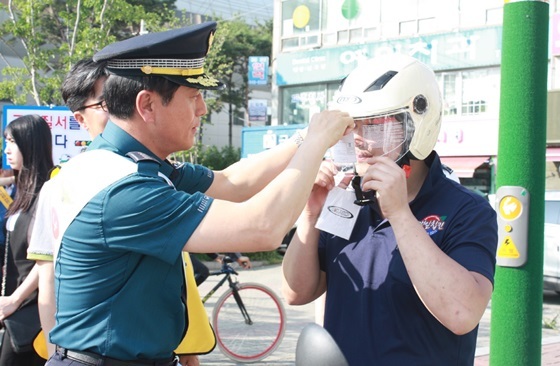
(125, 215)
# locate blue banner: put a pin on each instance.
(258, 70)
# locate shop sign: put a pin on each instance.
(457, 50)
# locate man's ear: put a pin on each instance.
(80, 118)
(145, 105)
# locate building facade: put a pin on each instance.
(215, 131)
(318, 42)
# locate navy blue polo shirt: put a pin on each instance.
(372, 309)
(119, 273)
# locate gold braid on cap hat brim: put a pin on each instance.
(169, 71)
(170, 67)
(178, 67)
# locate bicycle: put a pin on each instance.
(249, 319)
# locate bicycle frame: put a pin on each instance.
(228, 271)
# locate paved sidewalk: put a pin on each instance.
(550, 353)
(299, 316)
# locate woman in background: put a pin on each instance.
(28, 149)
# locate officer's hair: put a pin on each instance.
(120, 92)
(79, 83)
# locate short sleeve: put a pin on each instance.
(42, 240)
(161, 219)
(192, 178)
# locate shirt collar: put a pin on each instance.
(435, 174)
(116, 139)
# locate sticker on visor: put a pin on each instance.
(385, 136)
(377, 135)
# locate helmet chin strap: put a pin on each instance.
(367, 197)
(362, 198)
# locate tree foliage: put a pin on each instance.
(210, 156)
(218, 159)
(237, 42)
(49, 36)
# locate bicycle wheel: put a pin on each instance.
(244, 342)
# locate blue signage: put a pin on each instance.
(258, 70)
(257, 139)
(448, 51)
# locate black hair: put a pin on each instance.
(32, 135)
(120, 92)
(80, 81)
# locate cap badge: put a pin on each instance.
(204, 81)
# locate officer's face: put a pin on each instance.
(184, 112)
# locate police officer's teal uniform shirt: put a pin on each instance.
(118, 274)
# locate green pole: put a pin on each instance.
(516, 320)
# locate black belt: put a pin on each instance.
(93, 359)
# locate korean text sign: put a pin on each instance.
(69, 138)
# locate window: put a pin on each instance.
(427, 25)
(301, 102)
(495, 16)
(480, 91)
(408, 28)
(468, 93)
(301, 23)
(350, 14)
(449, 94)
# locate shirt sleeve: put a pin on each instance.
(160, 218)
(473, 239)
(193, 178)
(41, 242)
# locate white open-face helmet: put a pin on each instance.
(396, 103)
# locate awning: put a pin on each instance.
(464, 166)
(553, 154)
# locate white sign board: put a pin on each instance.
(68, 137)
(468, 138)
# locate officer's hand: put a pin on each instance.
(327, 127)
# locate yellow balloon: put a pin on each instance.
(301, 16)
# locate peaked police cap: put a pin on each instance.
(177, 55)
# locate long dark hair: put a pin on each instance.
(32, 135)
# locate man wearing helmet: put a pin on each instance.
(413, 280)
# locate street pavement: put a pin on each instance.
(299, 316)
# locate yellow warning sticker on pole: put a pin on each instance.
(508, 249)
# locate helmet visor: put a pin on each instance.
(383, 135)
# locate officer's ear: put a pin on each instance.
(145, 105)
